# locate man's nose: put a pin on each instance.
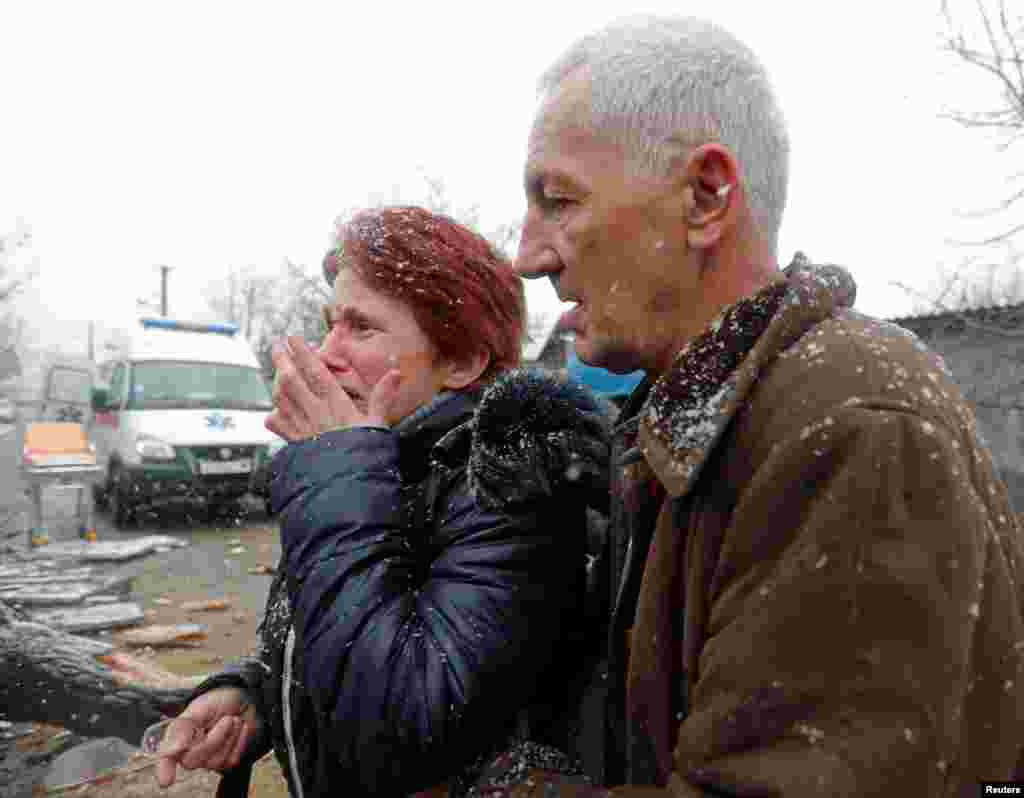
(536, 256)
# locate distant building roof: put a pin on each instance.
(995, 315)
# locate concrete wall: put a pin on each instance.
(984, 349)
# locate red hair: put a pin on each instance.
(461, 291)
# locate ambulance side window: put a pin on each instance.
(117, 385)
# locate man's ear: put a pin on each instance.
(467, 371)
(711, 194)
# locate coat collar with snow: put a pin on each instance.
(690, 406)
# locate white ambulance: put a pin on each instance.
(180, 416)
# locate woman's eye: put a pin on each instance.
(361, 329)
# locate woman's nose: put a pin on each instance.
(332, 352)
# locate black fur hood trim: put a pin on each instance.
(535, 436)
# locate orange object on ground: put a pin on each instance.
(56, 438)
(206, 606)
(159, 635)
(59, 454)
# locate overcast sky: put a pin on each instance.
(217, 135)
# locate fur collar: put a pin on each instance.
(689, 407)
(534, 436)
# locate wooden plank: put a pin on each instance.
(31, 575)
(91, 618)
(109, 550)
(48, 594)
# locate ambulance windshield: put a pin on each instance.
(169, 384)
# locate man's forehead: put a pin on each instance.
(565, 105)
(563, 145)
(559, 128)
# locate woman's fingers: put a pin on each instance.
(221, 758)
(213, 750)
(282, 422)
(308, 400)
(274, 423)
(206, 735)
(308, 397)
(299, 409)
(292, 381)
(312, 373)
(301, 419)
(339, 409)
(180, 734)
(246, 732)
(310, 368)
(166, 771)
(384, 399)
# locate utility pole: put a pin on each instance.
(163, 289)
(250, 302)
(232, 290)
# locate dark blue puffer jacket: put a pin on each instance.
(429, 596)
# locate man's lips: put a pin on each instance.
(573, 319)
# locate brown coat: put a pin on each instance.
(831, 598)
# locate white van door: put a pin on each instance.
(106, 421)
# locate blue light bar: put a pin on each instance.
(188, 326)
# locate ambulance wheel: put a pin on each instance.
(99, 497)
(122, 508)
(218, 510)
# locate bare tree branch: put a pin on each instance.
(1014, 45)
(1002, 206)
(983, 13)
(995, 120)
(1000, 55)
(941, 298)
(14, 278)
(1001, 238)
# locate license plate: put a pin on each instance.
(51, 460)
(225, 466)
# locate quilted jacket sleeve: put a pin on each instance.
(414, 653)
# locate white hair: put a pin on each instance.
(658, 82)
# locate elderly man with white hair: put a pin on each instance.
(813, 577)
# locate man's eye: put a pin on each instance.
(555, 207)
(557, 203)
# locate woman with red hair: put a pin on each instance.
(427, 610)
